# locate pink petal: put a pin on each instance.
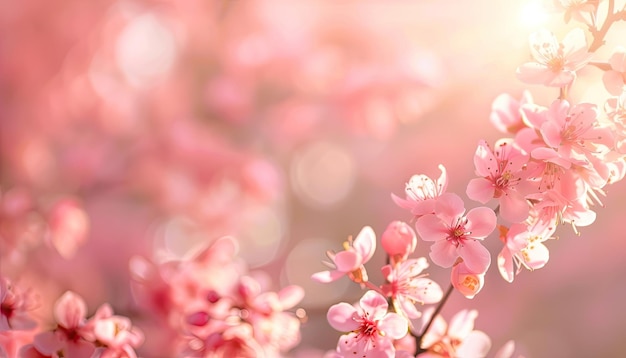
(480, 189)
(538, 255)
(514, 207)
(475, 256)
(428, 290)
(394, 326)
(506, 351)
(505, 265)
(327, 276)
(347, 261)
(462, 324)
(481, 222)
(443, 253)
(431, 228)
(80, 349)
(449, 206)
(534, 73)
(70, 310)
(290, 296)
(613, 82)
(374, 304)
(47, 343)
(551, 134)
(365, 244)
(341, 317)
(484, 159)
(476, 344)
(618, 59)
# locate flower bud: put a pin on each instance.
(399, 241)
(466, 282)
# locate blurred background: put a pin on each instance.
(157, 126)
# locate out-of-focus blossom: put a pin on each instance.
(555, 64)
(68, 227)
(372, 328)
(422, 192)
(17, 305)
(407, 285)
(458, 339)
(505, 112)
(615, 79)
(456, 234)
(577, 10)
(350, 261)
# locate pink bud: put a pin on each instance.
(466, 282)
(399, 240)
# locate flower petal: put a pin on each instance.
(341, 317)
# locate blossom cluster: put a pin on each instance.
(551, 169)
(149, 151)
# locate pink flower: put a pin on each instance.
(615, 79)
(555, 64)
(15, 304)
(523, 247)
(69, 227)
(350, 261)
(459, 339)
(372, 328)
(398, 241)
(72, 338)
(457, 235)
(116, 333)
(505, 112)
(468, 283)
(408, 285)
(576, 9)
(500, 170)
(422, 192)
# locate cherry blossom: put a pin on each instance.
(615, 79)
(523, 247)
(456, 339)
(350, 261)
(421, 193)
(501, 170)
(505, 112)
(555, 64)
(372, 328)
(16, 306)
(456, 234)
(407, 285)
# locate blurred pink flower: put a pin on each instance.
(16, 305)
(555, 64)
(457, 235)
(372, 328)
(350, 261)
(615, 79)
(505, 112)
(458, 339)
(68, 227)
(576, 10)
(72, 337)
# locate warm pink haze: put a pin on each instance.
(312, 178)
